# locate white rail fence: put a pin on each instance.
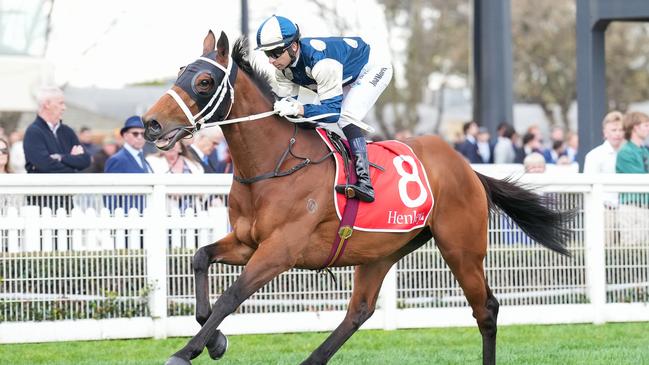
(109, 256)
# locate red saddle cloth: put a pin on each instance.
(403, 196)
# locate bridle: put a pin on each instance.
(214, 111)
(210, 103)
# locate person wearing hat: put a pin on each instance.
(345, 73)
(130, 159)
(49, 145)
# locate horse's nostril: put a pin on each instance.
(154, 127)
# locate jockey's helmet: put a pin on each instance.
(276, 32)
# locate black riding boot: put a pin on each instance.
(363, 189)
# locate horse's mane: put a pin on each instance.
(241, 56)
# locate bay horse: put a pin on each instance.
(290, 221)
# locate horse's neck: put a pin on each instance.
(255, 146)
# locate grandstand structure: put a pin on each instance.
(24, 32)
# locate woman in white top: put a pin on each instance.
(173, 161)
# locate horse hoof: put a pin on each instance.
(175, 360)
(217, 345)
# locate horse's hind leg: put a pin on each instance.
(464, 248)
(227, 250)
(367, 284)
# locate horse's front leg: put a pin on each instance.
(367, 284)
(267, 262)
(227, 250)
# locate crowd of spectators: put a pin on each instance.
(624, 149)
(562, 148)
(477, 146)
(48, 145)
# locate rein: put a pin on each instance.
(227, 87)
(276, 172)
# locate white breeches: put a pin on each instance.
(360, 96)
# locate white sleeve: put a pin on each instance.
(285, 87)
(500, 153)
(590, 163)
(328, 74)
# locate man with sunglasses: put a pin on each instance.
(130, 159)
(49, 145)
(347, 76)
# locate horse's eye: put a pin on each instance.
(203, 86)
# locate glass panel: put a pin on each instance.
(24, 27)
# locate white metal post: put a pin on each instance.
(77, 233)
(155, 244)
(47, 236)
(594, 246)
(388, 299)
(32, 241)
(12, 216)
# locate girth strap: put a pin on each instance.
(345, 229)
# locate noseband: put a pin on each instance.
(211, 104)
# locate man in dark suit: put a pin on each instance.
(469, 147)
(130, 159)
(51, 146)
(485, 146)
(202, 150)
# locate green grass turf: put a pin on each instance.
(613, 344)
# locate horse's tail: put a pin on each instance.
(530, 211)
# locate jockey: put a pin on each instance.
(341, 70)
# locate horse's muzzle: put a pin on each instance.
(152, 130)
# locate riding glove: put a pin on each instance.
(287, 106)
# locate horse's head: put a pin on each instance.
(203, 92)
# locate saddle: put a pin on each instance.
(342, 147)
(404, 200)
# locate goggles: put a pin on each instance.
(277, 52)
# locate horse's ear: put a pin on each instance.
(223, 47)
(209, 43)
